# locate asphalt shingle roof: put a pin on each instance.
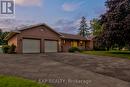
(72, 36)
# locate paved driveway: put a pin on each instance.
(68, 70)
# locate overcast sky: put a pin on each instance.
(62, 15)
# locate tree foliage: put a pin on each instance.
(96, 27)
(2, 36)
(84, 29)
(116, 24)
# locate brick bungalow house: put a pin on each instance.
(41, 38)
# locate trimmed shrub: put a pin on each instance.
(12, 49)
(9, 49)
(74, 49)
(5, 48)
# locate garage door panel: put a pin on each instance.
(51, 46)
(31, 46)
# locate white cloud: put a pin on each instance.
(70, 7)
(11, 24)
(67, 26)
(28, 2)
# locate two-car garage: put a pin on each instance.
(34, 46)
(38, 38)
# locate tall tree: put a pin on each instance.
(96, 27)
(115, 23)
(84, 29)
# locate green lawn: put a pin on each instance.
(8, 81)
(120, 54)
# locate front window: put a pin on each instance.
(74, 43)
(82, 43)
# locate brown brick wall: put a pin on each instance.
(13, 40)
(89, 45)
(67, 45)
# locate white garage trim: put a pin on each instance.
(31, 46)
(51, 46)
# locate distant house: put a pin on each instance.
(41, 38)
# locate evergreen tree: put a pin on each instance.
(84, 30)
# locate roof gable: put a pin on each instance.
(38, 25)
(20, 30)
